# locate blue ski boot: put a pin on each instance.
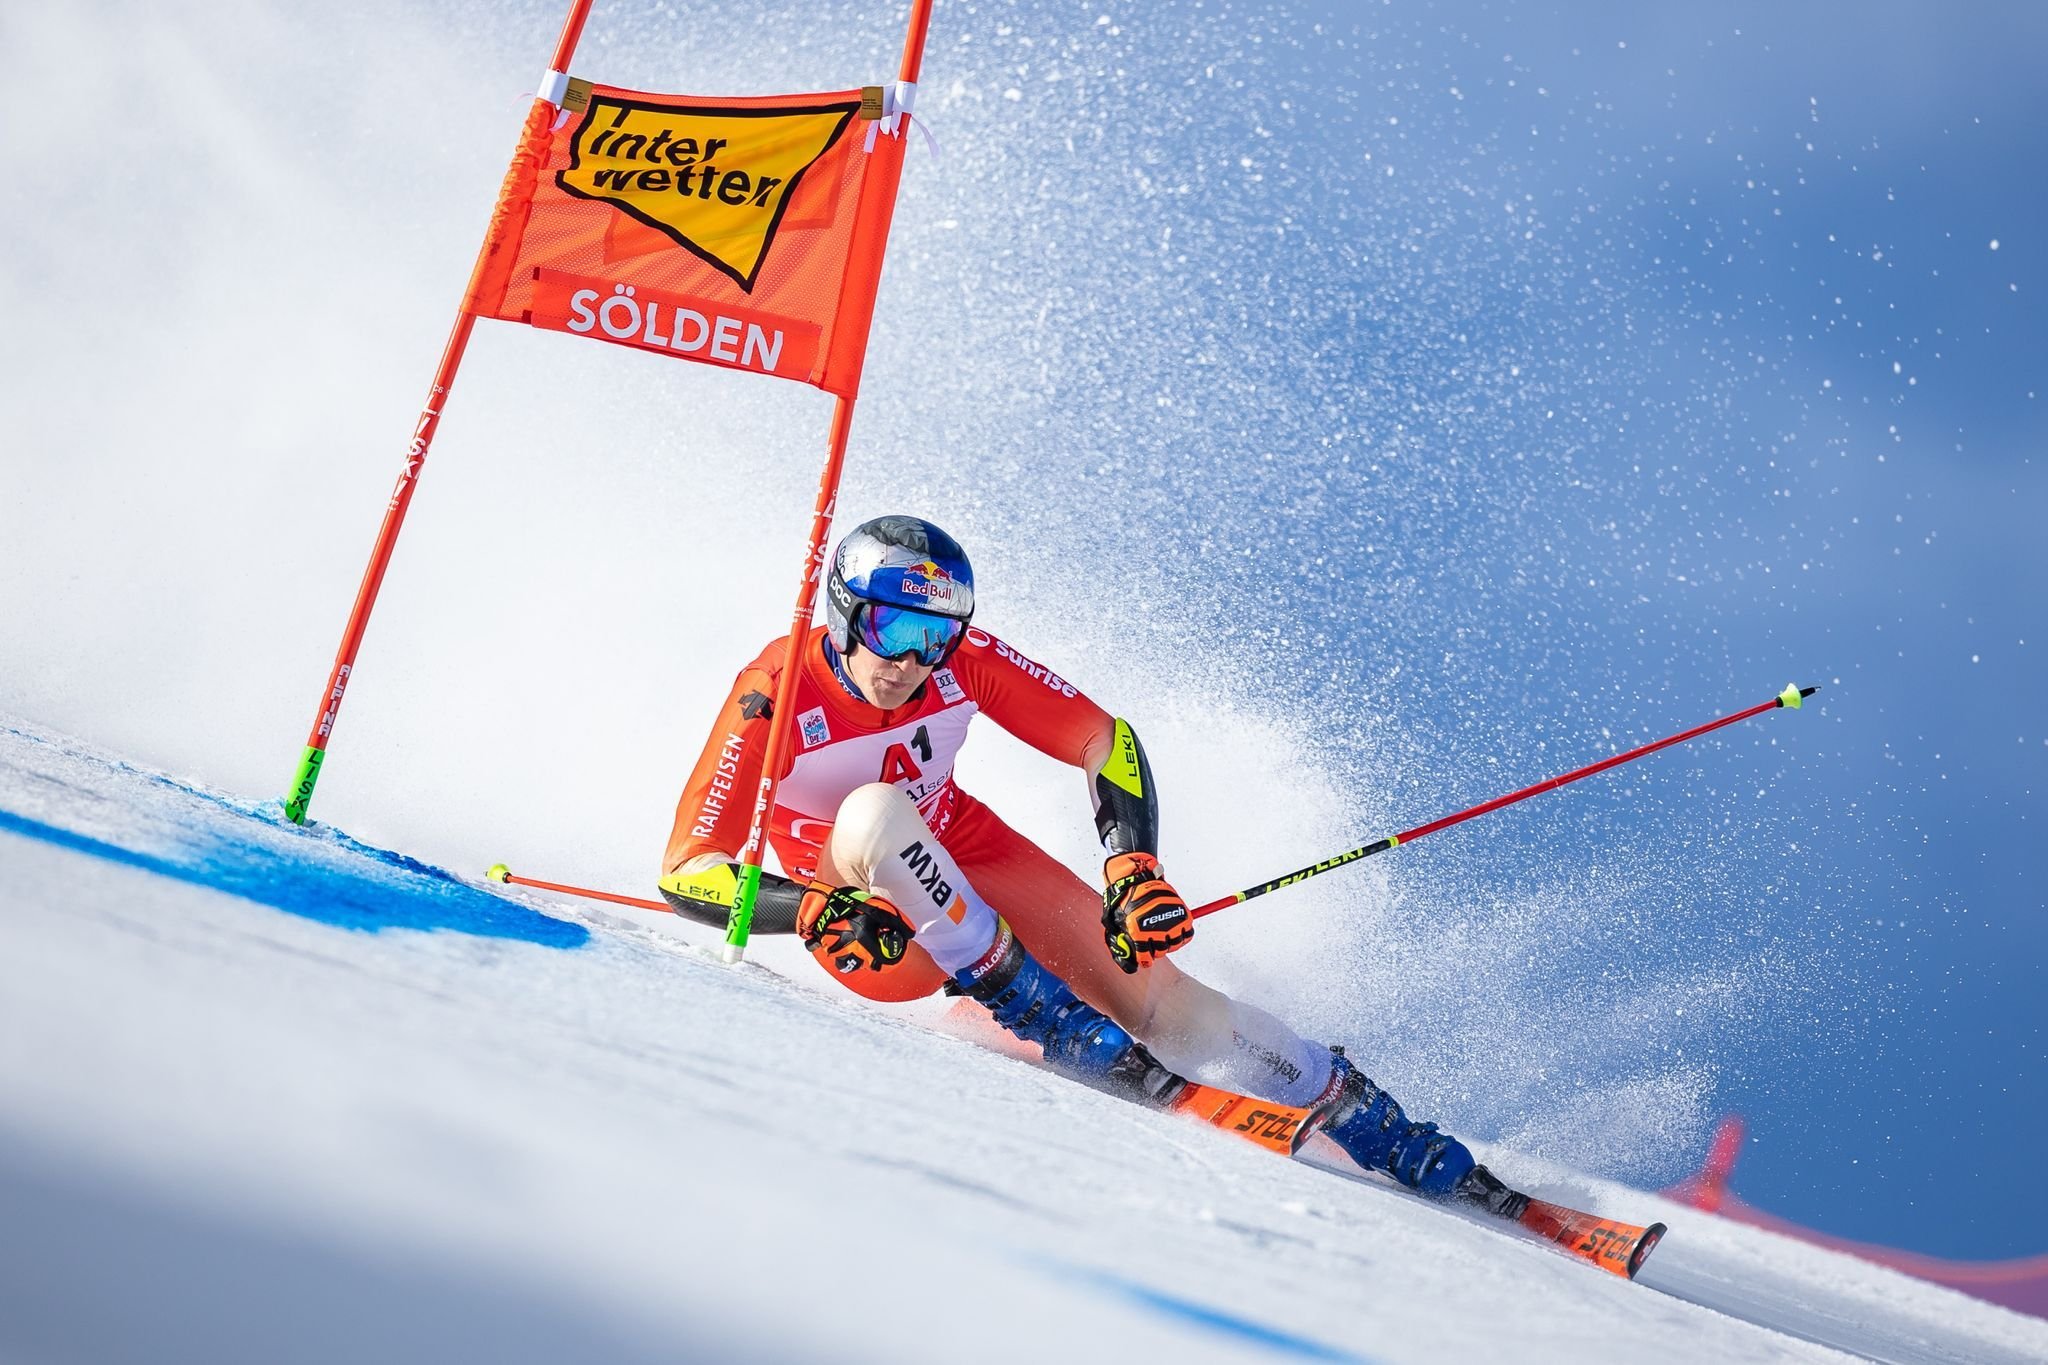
(1079, 1040)
(1368, 1124)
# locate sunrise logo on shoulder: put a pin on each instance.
(714, 181)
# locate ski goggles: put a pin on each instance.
(892, 632)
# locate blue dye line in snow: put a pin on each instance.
(339, 882)
(1202, 1315)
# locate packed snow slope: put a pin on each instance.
(267, 1093)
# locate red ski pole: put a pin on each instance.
(1792, 696)
(498, 872)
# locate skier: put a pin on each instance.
(905, 884)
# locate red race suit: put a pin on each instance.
(840, 742)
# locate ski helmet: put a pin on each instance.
(899, 585)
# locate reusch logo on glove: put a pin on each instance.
(1161, 919)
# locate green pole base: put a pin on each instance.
(739, 925)
(301, 796)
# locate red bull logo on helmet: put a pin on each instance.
(928, 580)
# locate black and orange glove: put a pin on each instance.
(1142, 915)
(847, 929)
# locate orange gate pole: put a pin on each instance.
(739, 926)
(300, 795)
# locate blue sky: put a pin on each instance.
(1823, 229)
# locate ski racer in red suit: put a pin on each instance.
(902, 882)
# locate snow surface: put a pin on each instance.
(238, 1122)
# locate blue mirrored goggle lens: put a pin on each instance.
(894, 631)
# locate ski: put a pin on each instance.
(1616, 1247)
(1278, 1128)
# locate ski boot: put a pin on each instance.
(1490, 1192)
(1368, 1124)
(1079, 1040)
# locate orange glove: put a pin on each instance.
(1142, 915)
(847, 930)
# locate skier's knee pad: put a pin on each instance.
(881, 844)
(863, 829)
(868, 821)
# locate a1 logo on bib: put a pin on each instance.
(715, 181)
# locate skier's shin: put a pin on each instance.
(1206, 1036)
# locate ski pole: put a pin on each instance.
(1792, 696)
(500, 873)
